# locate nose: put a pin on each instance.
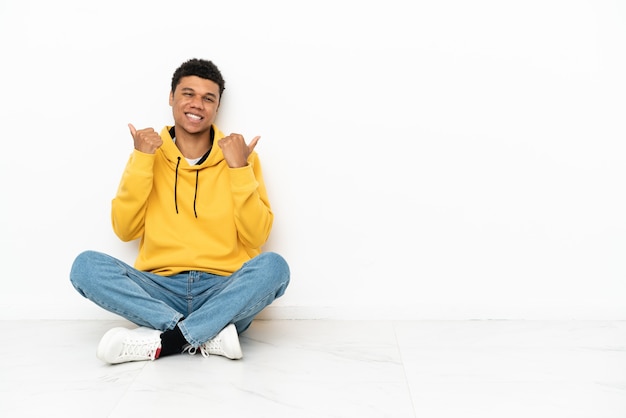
(197, 102)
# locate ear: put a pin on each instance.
(171, 98)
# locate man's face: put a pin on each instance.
(194, 104)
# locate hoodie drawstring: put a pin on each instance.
(172, 132)
(195, 193)
(176, 185)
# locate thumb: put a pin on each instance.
(253, 143)
(133, 131)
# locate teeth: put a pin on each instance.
(192, 116)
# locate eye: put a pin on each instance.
(209, 99)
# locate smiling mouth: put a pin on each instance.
(194, 116)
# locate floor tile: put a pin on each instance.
(325, 368)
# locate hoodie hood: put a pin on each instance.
(172, 153)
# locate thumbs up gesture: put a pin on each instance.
(146, 140)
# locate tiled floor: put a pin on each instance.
(425, 369)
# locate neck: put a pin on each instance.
(193, 145)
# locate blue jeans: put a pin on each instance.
(202, 304)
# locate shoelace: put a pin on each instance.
(140, 348)
(213, 346)
(193, 350)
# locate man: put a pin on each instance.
(197, 201)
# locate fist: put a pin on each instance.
(146, 140)
(235, 149)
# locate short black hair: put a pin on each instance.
(200, 68)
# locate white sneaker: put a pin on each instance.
(226, 344)
(120, 345)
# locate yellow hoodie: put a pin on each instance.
(207, 217)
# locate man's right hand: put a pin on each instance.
(146, 140)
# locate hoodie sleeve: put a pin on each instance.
(128, 208)
(253, 215)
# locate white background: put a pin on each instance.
(425, 160)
